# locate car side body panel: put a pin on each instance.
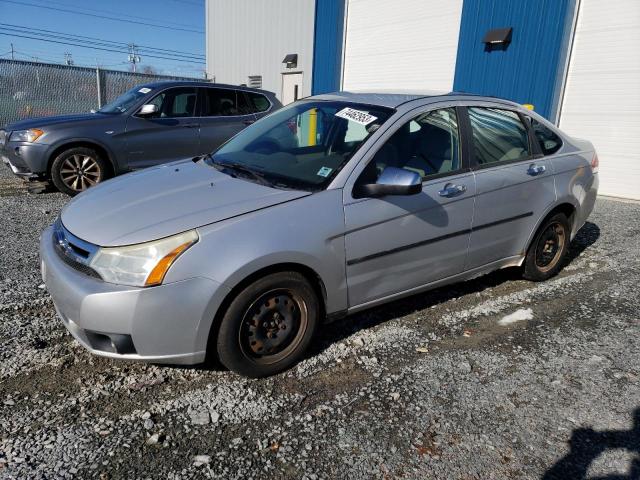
(308, 231)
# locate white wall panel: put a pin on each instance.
(602, 95)
(401, 44)
(252, 37)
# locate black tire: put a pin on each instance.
(77, 169)
(546, 253)
(269, 325)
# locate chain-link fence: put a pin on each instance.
(32, 89)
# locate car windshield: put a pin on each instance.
(125, 101)
(302, 146)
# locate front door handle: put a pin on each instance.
(451, 190)
(191, 125)
(534, 169)
(249, 122)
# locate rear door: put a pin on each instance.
(397, 243)
(223, 113)
(515, 184)
(169, 134)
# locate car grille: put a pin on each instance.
(74, 252)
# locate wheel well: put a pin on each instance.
(101, 151)
(568, 210)
(313, 278)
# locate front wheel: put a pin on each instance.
(77, 169)
(548, 249)
(269, 325)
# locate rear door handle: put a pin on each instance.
(534, 169)
(191, 125)
(249, 122)
(451, 190)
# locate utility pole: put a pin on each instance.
(12, 57)
(67, 58)
(133, 58)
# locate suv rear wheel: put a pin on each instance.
(269, 325)
(77, 169)
(548, 249)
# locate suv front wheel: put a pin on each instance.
(77, 169)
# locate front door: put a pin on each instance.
(397, 243)
(514, 185)
(224, 112)
(169, 134)
(291, 87)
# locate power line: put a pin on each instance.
(115, 19)
(96, 48)
(97, 41)
(111, 12)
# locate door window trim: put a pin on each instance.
(474, 165)
(196, 107)
(393, 128)
(201, 91)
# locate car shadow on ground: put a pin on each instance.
(340, 329)
(586, 445)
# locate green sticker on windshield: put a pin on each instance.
(324, 172)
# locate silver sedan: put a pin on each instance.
(332, 205)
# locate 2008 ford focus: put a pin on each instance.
(329, 206)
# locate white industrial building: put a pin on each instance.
(576, 61)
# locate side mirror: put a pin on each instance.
(392, 181)
(148, 109)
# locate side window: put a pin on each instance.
(498, 135)
(429, 144)
(259, 103)
(219, 102)
(549, 142)
(175, 102)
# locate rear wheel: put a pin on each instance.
(269, 325)
(548, 249)
(77, 169)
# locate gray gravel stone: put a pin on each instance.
(484, 400)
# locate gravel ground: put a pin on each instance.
(495, 378)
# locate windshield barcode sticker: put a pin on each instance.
(363, 118)
(324, 172)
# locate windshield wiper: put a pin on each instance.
(243, 169)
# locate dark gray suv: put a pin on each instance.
(148, 125)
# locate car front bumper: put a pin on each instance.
(165, 324)
(25, 159)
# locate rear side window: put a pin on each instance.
(498, 136)
(219, 102)
(259, 103)
(549, 141)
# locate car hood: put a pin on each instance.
(49, 121)
(162, 201)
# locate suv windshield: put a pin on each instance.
(302, 146)
(125, 101)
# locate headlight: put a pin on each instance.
(30, 135)
(141, 265)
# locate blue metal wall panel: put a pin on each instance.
(529, 70)
(327, 51)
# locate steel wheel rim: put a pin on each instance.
(273, 326)
(550, 247)
(79, 172)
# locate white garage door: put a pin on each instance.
(408, 44)
(602, 95)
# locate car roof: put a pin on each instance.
(198, 83)
(395, 98)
